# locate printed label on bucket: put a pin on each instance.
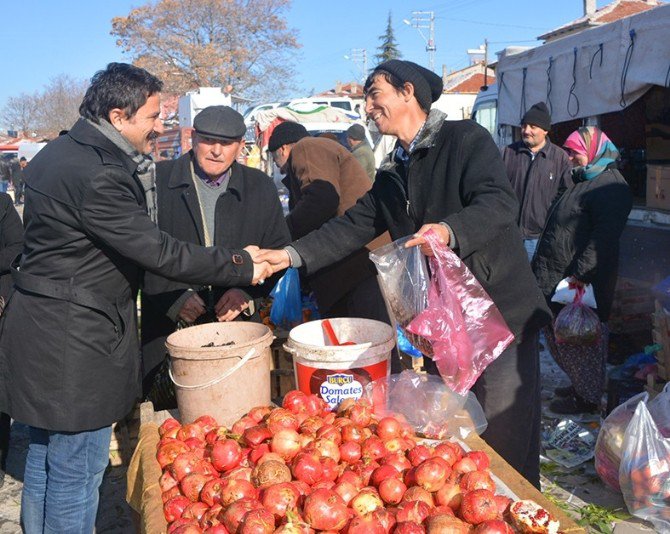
(335, 385)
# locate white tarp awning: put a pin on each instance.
(597, 71)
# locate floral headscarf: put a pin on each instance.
(596, 146)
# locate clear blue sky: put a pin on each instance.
(45, 38)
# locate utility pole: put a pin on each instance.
(360, 57)
(486, 62)
(425, 20)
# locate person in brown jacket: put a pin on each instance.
(324, 180)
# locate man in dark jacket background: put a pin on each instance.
(69, 353)
(361, 149)
(537, 170)
(447, 176)
(206, 197)
(324, 180)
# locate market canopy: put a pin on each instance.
(597, 71)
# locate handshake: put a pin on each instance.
(267, 262)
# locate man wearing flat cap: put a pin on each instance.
(448, 176)
(537, 169)
(207, 197)
(361, 150)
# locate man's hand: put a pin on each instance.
(262, 269)
(277, 259)
(231, 304)
(193, 308)
(418, 238)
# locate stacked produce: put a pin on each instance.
(302, 468)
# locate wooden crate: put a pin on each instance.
(282, 376)
(124, 438)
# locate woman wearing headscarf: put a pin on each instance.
(580, 241)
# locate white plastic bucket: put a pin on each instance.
(340, 372)
(220, 369)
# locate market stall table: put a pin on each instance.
(144, 494)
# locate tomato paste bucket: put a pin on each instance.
(340, 372)
(220, 369)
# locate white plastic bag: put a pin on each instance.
(644, 474)
(564, 294)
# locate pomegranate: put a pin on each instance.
(255, 435)
(451, 452)
(391, 490)
(258, 413)
(174, 507)
(419, 454)
(181, 524)
(432, 474)
(307, 467)
(232, 516)
(408, 527)
(207, 423)
(286, 443)
(225, 454)
(167, 481)
(480, 458)
(473, 480)
(280, 419)
(257, 521)
(464, 465)
(417, 493)
(445, 523)
(365, 525)
(366, 501)
(350, 452)
(191, 485)
(478, 506)
(279, 498)
(449, 495)
(191, 430)
(494, 526)
(325, 510)
(169, 428)
(184, 464)
(388, 427)
(167, 452)
(234, 489)
(383, 472)
(269, 473)
(415, 511)
(210, 493)
(195, 511)
(502, 503)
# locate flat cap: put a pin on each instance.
(356, 132)
(220, 122)
(286, 133)
(427, 85)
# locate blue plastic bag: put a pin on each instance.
(286, 309)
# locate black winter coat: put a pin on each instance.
(69, 349)
(11, 241)
(536, 182)
(455, 176)
(581, 237)
(247, 213)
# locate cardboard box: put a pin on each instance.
(658, 187)
(658, 142)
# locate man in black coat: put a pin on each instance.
(537, 170)
(447, 176)
(69, 350)
(206, 197)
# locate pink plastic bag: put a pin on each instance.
(464, 327)
(576, 323)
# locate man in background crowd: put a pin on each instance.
(361, 149)
(537, 169)
(324, 180)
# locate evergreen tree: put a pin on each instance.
(389, 47)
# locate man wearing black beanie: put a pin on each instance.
(448, 177)
(537, 169)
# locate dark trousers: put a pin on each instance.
(509, 392)
(5, 426)
(18, 192)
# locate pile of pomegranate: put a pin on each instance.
(302, 468)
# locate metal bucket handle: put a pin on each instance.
(225, 375)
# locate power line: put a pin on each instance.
(493, 24)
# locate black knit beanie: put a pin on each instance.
(538, 115)
(286, 133)
(427, 85)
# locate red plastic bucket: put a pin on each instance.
(336, 373)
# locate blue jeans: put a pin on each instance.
(63, 473)
(530, 245)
